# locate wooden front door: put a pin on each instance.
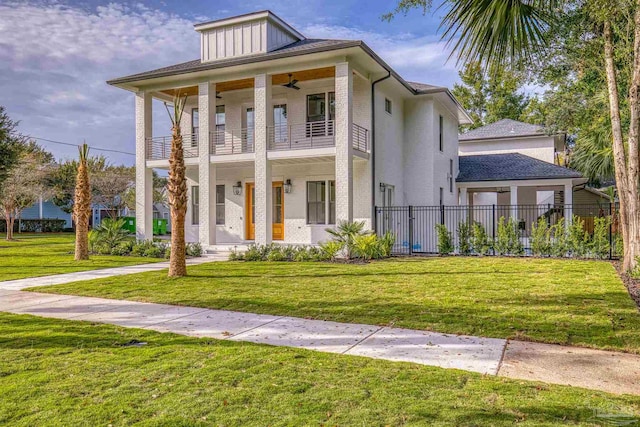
(277, 211)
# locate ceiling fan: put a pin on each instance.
(292, 83)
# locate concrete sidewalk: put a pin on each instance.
(600, 370)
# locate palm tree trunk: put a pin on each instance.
(177, 188)
(82, 206)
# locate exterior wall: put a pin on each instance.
(584, 197)
(49, 211)
(542, 148)
(441, 160)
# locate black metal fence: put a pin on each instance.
(415, 226)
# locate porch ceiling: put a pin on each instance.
(276, 79)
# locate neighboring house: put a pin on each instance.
(285, 136)
(46, 209)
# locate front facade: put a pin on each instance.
(285, 136)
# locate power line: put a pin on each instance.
(74, 145)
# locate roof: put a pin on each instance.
(505, 128)
(300, 47)
(509, 167)
(247, 17)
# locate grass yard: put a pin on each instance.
(56, 372)
(580, 303)
(33, 255)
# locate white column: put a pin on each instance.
(568, 204)
(206, 169)
(514, 202)
(144, 175)
(344, 142)
(464, 197)
(40, 209)
(263, 117)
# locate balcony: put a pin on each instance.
(238, 141)
(312, 135)
(159, 147)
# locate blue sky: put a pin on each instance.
(55, 56)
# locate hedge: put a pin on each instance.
(45, 225)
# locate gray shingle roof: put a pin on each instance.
(511, 166)
(505, 128)
(300, 47)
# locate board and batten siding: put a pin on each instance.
(246, 38)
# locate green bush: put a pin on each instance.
(346, 233)
(194, 249)
(541, 238)
(123, 249)
(44, 225)
(508, 238)
(600, 245)
(558, 239)
(386, 242)
(577, 238)
(367, 247)
(464, 238)
(445, 240)
(480, 239)
(330, 250)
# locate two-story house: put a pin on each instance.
(286, 136)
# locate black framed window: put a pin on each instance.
(220, 204)
(195, 121)
(450, 175)
(387, 105)
(441, 138)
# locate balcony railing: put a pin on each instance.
(237, 141)
(360, 138)
(159, 147)
(301, 136)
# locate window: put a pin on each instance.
(220, 204)
(388, 195)
(280, 131)
(441, 196)
(450, 175)
(387, 105)
(321, 202)
(316, 107)
(319, 117)
(441, 134)
(195, 205)
(249, 124)
(220, 124)
(195, 121)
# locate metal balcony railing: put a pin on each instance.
(159, 147)
(301, 136)
(236, 141)
(360, 138)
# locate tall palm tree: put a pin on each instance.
(177, 191)
(82, 205)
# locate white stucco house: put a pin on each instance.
(285, 136)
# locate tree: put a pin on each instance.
(10, 144)
(109, 188)
(25, 183)
(82, 205)
(177, 191)
(63, 180)
(489, 96)
(159, 192)
(516, 32)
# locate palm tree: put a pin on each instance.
(177, 191)
(82, 205)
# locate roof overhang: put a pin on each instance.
(524, 182)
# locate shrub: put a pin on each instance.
(329, 250)
(464, 237)
(194, 249)
(123, 249)
(44, 225)
(346, 233)
(445, 240)
(387, 241)
(236, 255)
(479, 239)
(541, 238)
(108, 236)
(276, 253)
(367, 247)
(508, 238)
(600, 245)
(559, 239)
(577, 238)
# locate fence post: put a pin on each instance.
(410, 230)
(375, 221)
(493, 228)
(442, 214)
(610, 231)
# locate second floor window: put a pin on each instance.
(195, 121)
(321, 111)
(387, 105)
(220, 123)
(441, 136)
(450, 175)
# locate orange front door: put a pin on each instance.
(277, 211)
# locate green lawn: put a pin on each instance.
(56, 372)
(556, 301)
(33, 255)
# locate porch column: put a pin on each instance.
(206, 170)
(144, 175)
(464, 197)
(263, 117)
(514, 202)
(344, 142)
(568, 204)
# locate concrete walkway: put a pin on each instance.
(600, 370)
